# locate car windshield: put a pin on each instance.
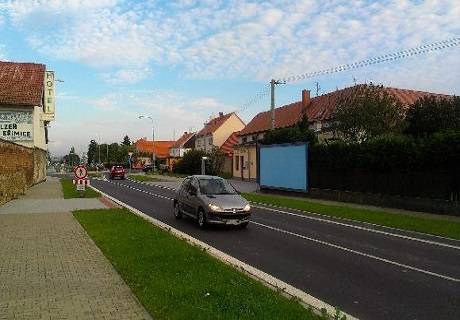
(215, 186)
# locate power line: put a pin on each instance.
(256, 98)
(379, 59)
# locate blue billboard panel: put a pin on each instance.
(283, 166)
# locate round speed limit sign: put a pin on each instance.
(80, 172)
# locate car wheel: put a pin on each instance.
(177, 212)
(202, 219)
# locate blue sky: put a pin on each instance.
(181, 61)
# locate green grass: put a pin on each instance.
(70, 190)
(175, 280)
(445, 228)
(142, 178)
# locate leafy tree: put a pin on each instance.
(297, 133)
(368, 112)
(429, 115)
(190, 163)
(126, 141)
(92, 152)
(72, 158)
(216, 161)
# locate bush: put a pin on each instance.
(390, 152)
(190, 163)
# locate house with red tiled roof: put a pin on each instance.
(227, 149)
(145, 148)
(217, 130)
(26, 108)
(319, 111)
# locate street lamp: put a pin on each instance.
(203, 165)
(153, 140)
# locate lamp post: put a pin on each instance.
(153, 140)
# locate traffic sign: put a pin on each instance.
(80, 172)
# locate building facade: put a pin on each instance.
(216, 131)
(27, 106)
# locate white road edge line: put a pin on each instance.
(405, 266)
(265, 278)
(260, 206)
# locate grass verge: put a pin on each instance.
(94, 174)
(445, 228)
(175, 280)
(70, 190)
(142, 178)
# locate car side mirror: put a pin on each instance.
(192, 191)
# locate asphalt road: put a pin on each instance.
(369, 272)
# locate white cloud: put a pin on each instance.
(111, 116)
(230, 39)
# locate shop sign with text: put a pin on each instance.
(16, 125)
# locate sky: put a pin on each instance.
(184, 61)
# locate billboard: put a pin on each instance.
(283, 166)
(16, 125)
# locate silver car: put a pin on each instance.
(211, 200)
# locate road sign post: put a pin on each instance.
(81, 179)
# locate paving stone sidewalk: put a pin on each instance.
(51, 269)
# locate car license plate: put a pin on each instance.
(233, 222)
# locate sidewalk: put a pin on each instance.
(50, 268)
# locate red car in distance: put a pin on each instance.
(117, 172)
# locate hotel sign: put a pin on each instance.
(49, 99)
(16, 125)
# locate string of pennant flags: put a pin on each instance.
(435, 46)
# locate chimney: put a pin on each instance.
(305, 98)
(221, 114)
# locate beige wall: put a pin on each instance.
(249, 154)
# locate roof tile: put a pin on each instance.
(21, 84)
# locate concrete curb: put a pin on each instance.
(273, 283)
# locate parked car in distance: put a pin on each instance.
(211, 200)
(117, 172)
(147, 168)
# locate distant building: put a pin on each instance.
(185, 143)
(319, 111)
(145, 148)
(216, 131)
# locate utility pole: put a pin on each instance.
(273, 82)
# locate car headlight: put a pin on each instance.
(247, 207)
(213, 207)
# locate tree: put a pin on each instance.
(216, 161)
(72, 158)
(126, 141)
(429, 115)
(190, 163)
(368, 112)
(298, 133)
(92, 152)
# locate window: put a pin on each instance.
(185, 185)
(254, 137)
(215, 186)
(237, 164)
(245, 139)
(210, 141)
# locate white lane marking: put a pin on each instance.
(268, 207)
(337, 246)
(357, 252)
(265, 278)
(441, 244)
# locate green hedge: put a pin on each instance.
(388, 153)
